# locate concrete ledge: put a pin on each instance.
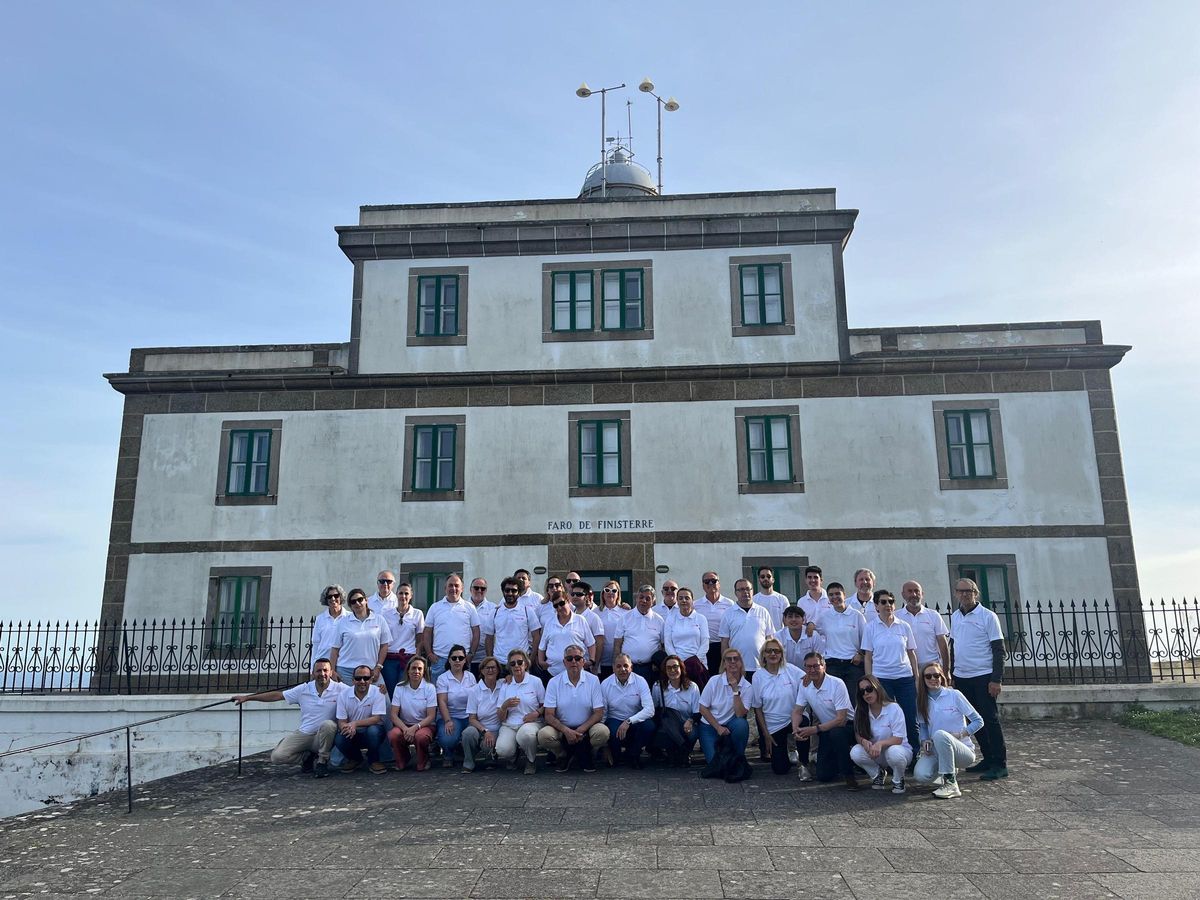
(1093, 701)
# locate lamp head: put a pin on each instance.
(671, 105)
(583, 90)
(647, 86)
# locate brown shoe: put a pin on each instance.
(377, 768)
(349, 766)
(851, 783)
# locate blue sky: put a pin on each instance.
(171, 174)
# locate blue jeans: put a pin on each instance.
(437, 668)
(904, 692)
(449, 741)
(739, 730)
(368, 739)
(636, 739)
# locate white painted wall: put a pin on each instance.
(868, 462)
(692, 324)
(29, 781)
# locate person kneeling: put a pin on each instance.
(574, 706)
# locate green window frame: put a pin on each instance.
(769, 449)
(623, 299)
(437, 305)
(600, 453)
(572, 307)
(249, 471)
(969, 446)
(434, 454)
(427, 588)
(762, 294)
(237, 619)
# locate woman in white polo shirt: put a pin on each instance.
(890, 654)
(412, 713)
(325, 625)
(946, 721)
(453, 686)
(880, 735)
(776, 684)
(483, 714)
(522, 699)
(724, 704)
(677, 700)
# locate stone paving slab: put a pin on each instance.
(1091, 810)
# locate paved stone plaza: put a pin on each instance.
(1091, 810)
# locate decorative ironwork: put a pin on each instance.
(1061, 642)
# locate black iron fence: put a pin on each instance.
(1060, 642)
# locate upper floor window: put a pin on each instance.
(622, 300)
(970, 446)
(437, 306)
(768, 449)
(248, 473)
(599, 446)
(572, 301)
(761, 300)
(587, 301)
(434, 449)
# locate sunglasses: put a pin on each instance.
(517, 662)
(610, 590)
(573, 658)
(578, 594)
(457, 658)
(772, 650)
(362, 677)
(385, 581)
(333, 596)
(476, 587)
(559, 604)
(886, 601)
(932, 675)
(712, 580)
(358, 599)
(866, 690)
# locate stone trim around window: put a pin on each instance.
(597, 333)
(257, 648)
(574, 489)
(997, 482)
(1008, 617)
(271, 497)
(415, 273)
(745, 485)
(788, 326)
(751, 565)
(460, 455)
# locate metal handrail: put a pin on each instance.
(128, 729)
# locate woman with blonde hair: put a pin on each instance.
(776, 684)
(412, 713)
(946, 720)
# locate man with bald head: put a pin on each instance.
(928, 627)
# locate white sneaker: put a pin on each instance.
(937, 782)
(805, 774)
(793, 756)
(948, 791)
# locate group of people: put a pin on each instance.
(605, 683)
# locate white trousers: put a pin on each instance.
(949, 755)
(524, 737)
(897, 756)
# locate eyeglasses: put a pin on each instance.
(669, 590)
(358, 599)
(477, 587)
(931, 675)
(578, 593)
(333, 596)
(611, 590)
(572, 581)
(553, 584)
(559, 604)
(736, 659)
(457, 658)
(362, 677)
(517, 662)
(886, 601)
(964, 591)
(385, 581)
(509, 590)
(772, 650)
(712, 580)
(573, 658)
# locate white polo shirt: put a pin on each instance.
(868, 610)
(358, 640)
(594, 622)
(323, 632)
(746, 630)
(926, 626)
(556, 638)
(888, 724)
(686, 636)
(713, 613)
(405, 628)
(718, 696)
(451, 624)
(484, 704)
(889, 646)
(686, 702)
(611, 619)
(775, 694)
(529, 692)
(513, 627)
(315, 708)
(826, 701)
(350, 708)
(574, 703)
(948, 710)
(774, 603)
(795, 649)
(486, 610)
(842, 631)
(456, 691)
(642, 635)
(973, 634)
(813, 608)
(411, 705)
(630, 702)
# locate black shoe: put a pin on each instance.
(321, 770)
(307, 765)
(851, 783)
(981, 766)
(994, 774)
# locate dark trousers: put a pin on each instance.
(847, 671)
(639, 735)
(990, 736)
(714, 658)
(904, 692)
(780, 764)
(833, 753)
(646, 670)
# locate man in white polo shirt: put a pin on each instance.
(641, 634)
(745, 626)
(564, 629)
(574, 708)
(629, 711)
(452, 620)
(486, 609)
(979, 674)
(713, 606)
(515, 625)
(310, 744)
(927, 626)
(831, 715)
(769, 598)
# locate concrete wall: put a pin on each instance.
(692, 323)
(29, 781)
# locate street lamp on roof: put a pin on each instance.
(583, 92)
(670, 105)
